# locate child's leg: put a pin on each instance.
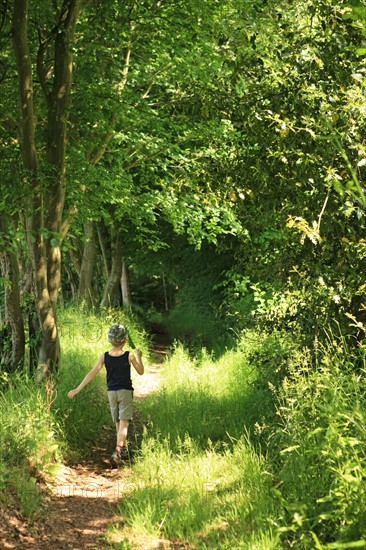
(125, 402)
(122, 431)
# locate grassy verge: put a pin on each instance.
(263, 448)
(31, 441)
(204, 498)
(211, 401)
(200, 479)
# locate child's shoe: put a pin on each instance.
(115, 459)
(122, 452)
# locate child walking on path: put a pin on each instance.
(119, 384)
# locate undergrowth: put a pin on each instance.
(31, 440)
(318, 449)
(263, 448)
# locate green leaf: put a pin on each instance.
(345, 545)
(290, 449)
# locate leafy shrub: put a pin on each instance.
(319, 448)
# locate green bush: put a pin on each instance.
(319, 451)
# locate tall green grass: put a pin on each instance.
(205, 498)
(208, 400)
(200, 479)
(263, 448)
(31, 440)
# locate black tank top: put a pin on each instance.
(118, 371)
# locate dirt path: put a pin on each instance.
(81, 502)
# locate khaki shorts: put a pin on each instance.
(121, 404)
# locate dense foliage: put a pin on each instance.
(210, 178)
(239, 126)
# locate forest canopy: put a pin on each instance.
(200, 161)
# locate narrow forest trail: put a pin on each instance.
(81, 502)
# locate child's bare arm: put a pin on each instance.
(91, 374)
(137, 361)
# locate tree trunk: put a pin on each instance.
(34, 336)
(86, 293)
(111, 291)
(125, 286)
(47, 197)
(103, 247)
(166, 301)
(59, 105)
(73, 284)
(87, 266)
(75, 260)
(34, 222)
(13, 315)
(112, 294)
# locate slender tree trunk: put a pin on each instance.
(59, 105)
(34, 221)
(103, 247)
(72, 283)
(125, 286)
(166, 302)
(13, 315)
(87, 265)
(112, 295)
(75, 260)
(34, 336)
(111, 291)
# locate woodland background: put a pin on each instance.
(200, 166)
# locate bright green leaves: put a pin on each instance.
(355, 12)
